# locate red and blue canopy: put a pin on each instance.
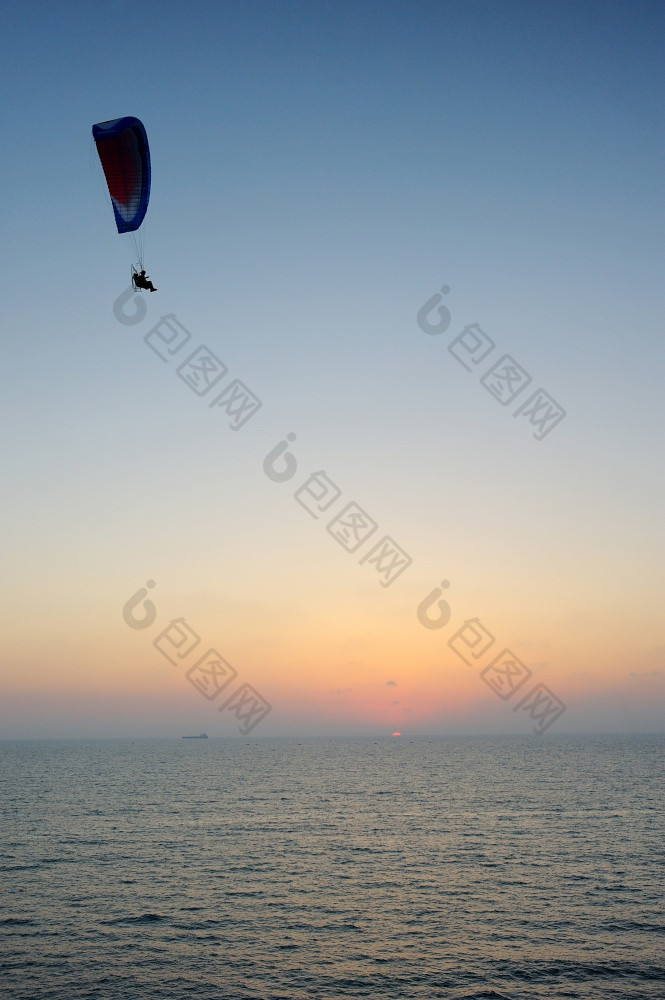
(123, 149)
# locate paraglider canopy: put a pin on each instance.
(122, 145)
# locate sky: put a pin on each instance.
(423, 244)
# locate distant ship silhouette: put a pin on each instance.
(201, 736)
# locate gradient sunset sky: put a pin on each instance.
(320, 172)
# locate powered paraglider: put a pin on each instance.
(122, 145)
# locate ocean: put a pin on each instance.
(446, 867)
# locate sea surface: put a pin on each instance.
(465, 868)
